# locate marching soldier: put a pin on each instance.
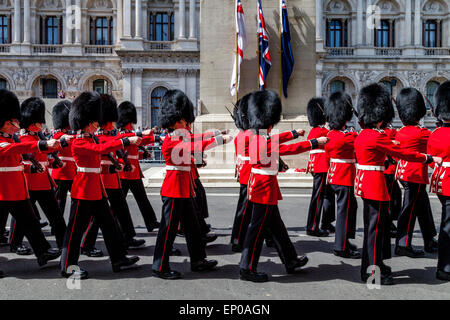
(111, 182)
(439, 145)
(264, 112)
(375, 112)
(322, 198)
(177, 191)
(14, 196)
(132, 180)
(63, 177)
(40, 183)
(341, 175)
(413, 176)
(88, 193)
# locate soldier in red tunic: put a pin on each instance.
(375, 112)
(413, 176)
(176, 113)
(112, 184)
(439, 145)
(14, 196)
(88, 194)
(322, 198)
(40, 184)
(264, 112)
(132, 180)
(63, 177)
(341, 175)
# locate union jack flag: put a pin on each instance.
(264, 56)
(242, 42)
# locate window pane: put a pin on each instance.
(49, 88)
(100, 86)
(431, 90)
(3, 84)
(337, 86)
(156, 97)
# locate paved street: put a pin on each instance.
(325, 277)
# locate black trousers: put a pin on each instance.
(62, 189)
(3, 221)
(81, 212)
(242, 217)
(395, 205)
(444, 236)
(138, 190)
(200, 198)
(23, 213)
(415, 204)
(121, 212)
(175, 211)
(376, 243)
(47, 201)
(263, 218)
(346, 209)
(322, 198)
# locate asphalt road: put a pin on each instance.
(325, 277)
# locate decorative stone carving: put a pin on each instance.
(336, 6)
(72, 76)
(51, 4)
(365, 77)
(20, 76)
(433, 7)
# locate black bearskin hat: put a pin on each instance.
(32, 111)
(316, 112)
(109, 109)
(375, 105)
(126, 114)
(264, 109)
(175, 105)
(442, 98)
(9, 106)
(338, 110)
(240, 113)
(86, 108)
(60, 114)
(411, 106)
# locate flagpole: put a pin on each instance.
(237, 68)
(281, 51)
(258, 53)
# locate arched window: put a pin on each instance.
(49, 88)
(431, 90)
(3, 84)
(100, 86)
(157, 95)
(337, 86)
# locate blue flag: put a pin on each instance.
(287, 58)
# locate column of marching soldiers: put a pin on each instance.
(94, 153)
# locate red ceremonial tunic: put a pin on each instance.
(13, 186)
(341, 152)
(87, 184)
(391, 133)
(439, 146)
(133, 155)
(69, 170)
(241, 145)
(110, 180)
(413, 138)
(372, 146)
(177, 151)
(318, 160)
(264, 154)
(39, 180)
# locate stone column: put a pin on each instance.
(137, 94)
(369, 32)
(138, 22)
(359, 23)
(182, 19)
(68, 24)
(119, 27)
(192, 24)
(182, 79)
(319, 78)
(78, 21)
(417, 24)
(319, 20)
(127, 18)
(126, 84)
(16, 21)
(26, 21)
(438, 34)
(408, 24)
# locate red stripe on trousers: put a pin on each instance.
(256, 241)
(87, 231)
(375, 242)
(410, 215)
(242, 221)
(346, 219)
(317, 206)
(167, 233)
(71, 233)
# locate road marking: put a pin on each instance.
(294, 195)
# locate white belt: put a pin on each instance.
(445, 164)
(133, 157)
(332, 160)
(44, 163)
(265, 172)
(89, 170)
(370, 168)
(178, 168)
(67, 159)
(317, 151)
(106, 163)
(11, 169)
(242, 158)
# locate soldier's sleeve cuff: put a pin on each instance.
(125, 142)
(219, 140)
(314, 143)
(429, 159)
(295, 134)
(42, 145)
